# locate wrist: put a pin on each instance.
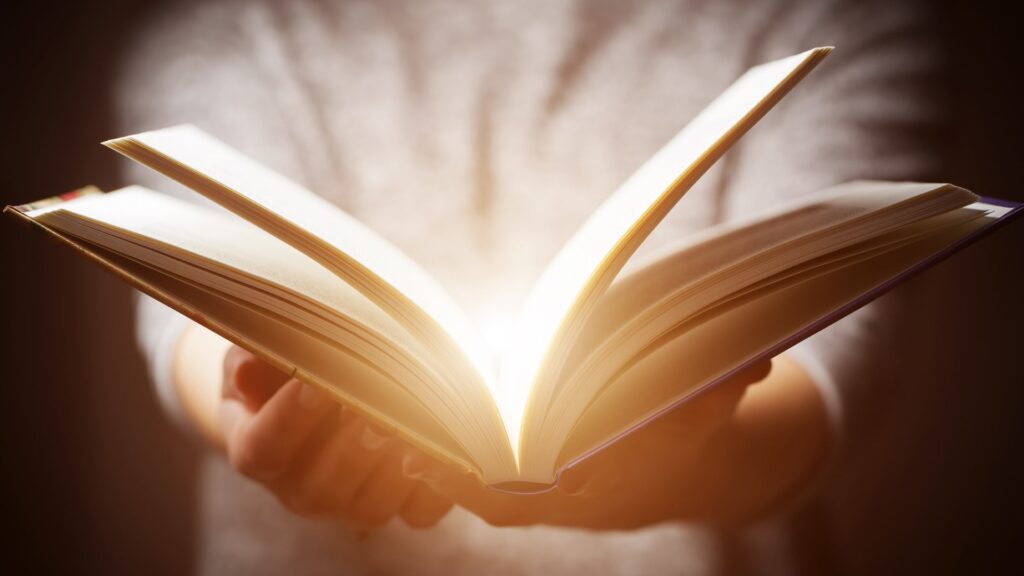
(196, 373)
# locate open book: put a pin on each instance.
(316, 293)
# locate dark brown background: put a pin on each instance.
(95, 480)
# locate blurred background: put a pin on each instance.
(94, 479)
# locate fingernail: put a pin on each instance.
(312, 397)
(419, 467)
(370, 439)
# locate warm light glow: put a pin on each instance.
(530, 353)
(495, 324)
(495, 330)
(596, 252)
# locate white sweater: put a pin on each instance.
(477, 137)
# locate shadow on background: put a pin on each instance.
(94, 479)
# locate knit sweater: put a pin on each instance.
(477, 137)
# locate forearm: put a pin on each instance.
(775, 444)
(197, 373)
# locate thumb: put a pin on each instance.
(754, 373)
(250, 380)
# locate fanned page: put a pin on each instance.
(234, 274)
(585, 267)
(344, 246)
(345, 310)
(699, 353)
(712, 270)
(305, 220)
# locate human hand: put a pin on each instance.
(318, 457)
(673, 468)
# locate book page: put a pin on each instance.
(219, 238)
(313, 225)
(654, 302)
(222, 255)
(700, 352)
(341, 244)
(368, 390)
(722, 260)
(592, 257)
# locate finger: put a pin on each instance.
(496, 507)
(418, 466)
(706, 411)
(329, 474)
(262, 446)
(425, 508)
(381, 495)
(444, 479)
(233, 415)
(602, 474)
(755, 372)
(726, 394)
(576, 481)
(249, 379)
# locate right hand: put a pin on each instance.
(677, 467)
(318, 457)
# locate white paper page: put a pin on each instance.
(343, 244)
(222, 238)
(346, 248)
(594, 254)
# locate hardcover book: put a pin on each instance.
(594, 354)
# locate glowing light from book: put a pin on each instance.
(495, 329)
(596, 252)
